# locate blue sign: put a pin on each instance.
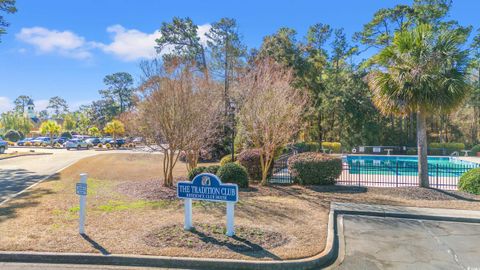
(81, 189)
(207, 187)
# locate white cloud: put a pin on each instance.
(5, 104)
(202, 30)
(126, 44)
(40, 104)
(76, 105)
(132, 44)
(65, 43)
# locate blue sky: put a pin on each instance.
(65, 48)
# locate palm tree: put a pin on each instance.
(114, 128)
(50, 128)
(423, 71)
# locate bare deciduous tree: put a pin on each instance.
(207, 114)
(177, 110)
(270, 109)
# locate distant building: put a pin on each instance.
(31, 112)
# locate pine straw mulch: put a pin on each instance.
(211, 237)
(153, 190)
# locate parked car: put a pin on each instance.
(137, 140)
(22, 142)
(60, 140)
(120, 142)
(3, 146)
(41, 140)
(77, 143)
(117, 142)
(106, 140)
(93, 141)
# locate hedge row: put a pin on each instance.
(448, 146)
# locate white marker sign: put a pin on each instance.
(81, 190)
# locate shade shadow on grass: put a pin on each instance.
(29, 198)
(246, 247)
(456, 195)
(95, 244)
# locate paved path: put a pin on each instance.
(18, 173)
(395, 243)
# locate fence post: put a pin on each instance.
(436, 180)
(359, 173)
(396, 174)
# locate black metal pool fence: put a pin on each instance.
(401, 174)
(393, 174)
(403, 150)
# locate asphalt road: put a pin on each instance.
(394, 243)
(39, 266)
(18, 173)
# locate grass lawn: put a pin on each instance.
(129, 212)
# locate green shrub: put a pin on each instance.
(250, 159)
(12, 135)
(411, 151)
(202, 169)
(336, 147)
(196, 171)
(315, 168)
(308, 147)
(436, 148)
(66, 134)
(475, 150)
(470, 181)
(234, 173)
(227, 159)
(213, 169)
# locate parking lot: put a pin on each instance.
(395, 243)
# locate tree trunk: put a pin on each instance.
(475, 124)
(265, 164)
(422, 149)
(320, 129)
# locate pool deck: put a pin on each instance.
(471, 159)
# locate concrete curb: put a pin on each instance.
(27, 155)
(324, 259)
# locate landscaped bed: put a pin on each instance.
(130, 212)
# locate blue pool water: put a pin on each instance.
(407, 165)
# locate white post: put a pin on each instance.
(83, 201)
(188, 214)
(230, 219)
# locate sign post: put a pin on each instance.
(188, 215)
(81, 190)
(208, 187)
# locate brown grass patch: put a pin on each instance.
(120, 219)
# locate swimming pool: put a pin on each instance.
(406, 165)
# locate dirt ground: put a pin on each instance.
(129, 212)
